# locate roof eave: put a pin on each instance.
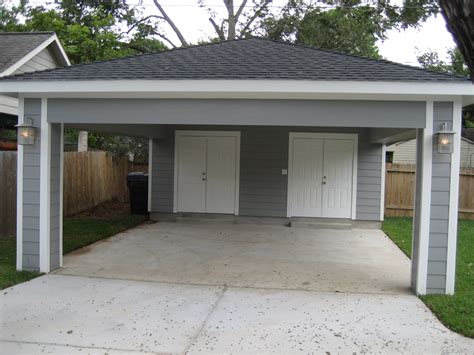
(237, 89)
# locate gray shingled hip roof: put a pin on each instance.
(15, 45)
(245, 59)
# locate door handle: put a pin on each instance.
(324, 182)
(204, 179)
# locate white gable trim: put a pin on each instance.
(14, 67)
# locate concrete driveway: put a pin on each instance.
(226, 288)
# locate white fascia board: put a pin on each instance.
(297, 89)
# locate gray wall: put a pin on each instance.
(440, 191)
(321, 113)
(369, 178)
(55, 195)
(31, 191)
(264, 153)
(43, 60)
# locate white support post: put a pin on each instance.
(45, 189)
(150, 172)
(382, 183)
(19, 192)
(421, 228)
(61, 195)
(454, 199)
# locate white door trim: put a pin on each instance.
(352, 136)
(187, 133)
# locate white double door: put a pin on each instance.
(321, 177)
(207, 174)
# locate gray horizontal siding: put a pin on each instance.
(304, 113)
(369, 172)
(439, 215)
(43, 60)
(55, 196)
(163, 174)
(31, 187)
(263, 187)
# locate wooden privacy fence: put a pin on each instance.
(7, 193)
(90, 178)
(400, 188)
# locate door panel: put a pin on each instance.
(191, 174)
(337, 189)
(307, 177)
(221, 174)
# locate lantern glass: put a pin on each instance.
(26, 133)
(445, 142)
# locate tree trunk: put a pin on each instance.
(459, 16)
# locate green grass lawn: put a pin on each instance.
(457, 311)
(78, 232)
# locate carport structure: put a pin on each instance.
(252, 128)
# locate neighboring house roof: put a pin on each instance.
(243, 59)
(20, 47)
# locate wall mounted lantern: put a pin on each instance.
(445, 140)
(26, 132)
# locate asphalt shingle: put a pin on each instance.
(15, 45)
(242, 59)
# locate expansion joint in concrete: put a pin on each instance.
(206, 320)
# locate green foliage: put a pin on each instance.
(456, 312)
(117, 145)
(88, 30)
(350, 26)
(456, 64)
(82, 231)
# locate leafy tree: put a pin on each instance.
(351, 26)
(456, 64)
(459, 16)
(89, 30)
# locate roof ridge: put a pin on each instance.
(27, 33)
(385, 61)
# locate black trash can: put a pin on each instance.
(138, 187)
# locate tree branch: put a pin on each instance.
(172, 24)
(218, 30)
(254, 17)
(240, 10)
(142, 20)
(231, 21)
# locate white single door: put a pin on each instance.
(337, 178)
(221, 174)
(307, 177)
(192, 174)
